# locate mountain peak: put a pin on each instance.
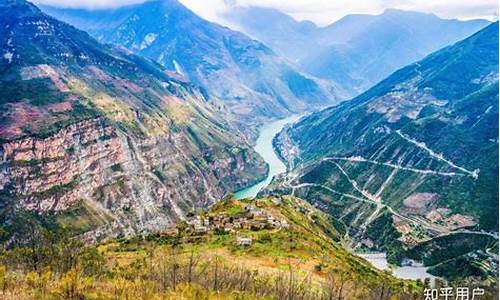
(183, 42)
(10, 4)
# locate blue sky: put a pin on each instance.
(321, 12)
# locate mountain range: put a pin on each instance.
(104, 140)
(246, 75)
(130, 129)
(356, 51)
(413, 159)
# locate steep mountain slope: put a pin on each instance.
(413, 158)
(382, 44)
(358, 50)
(253, 81)
(279, 31)
(101, 138)
(272, 248)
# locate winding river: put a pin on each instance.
(264, 146)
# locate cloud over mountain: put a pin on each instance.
(319, 11)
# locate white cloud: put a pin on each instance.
(89, 4)
(320, 11)
(324, 12)
(208, 9)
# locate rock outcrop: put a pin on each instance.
(102, 141)
(139, 184)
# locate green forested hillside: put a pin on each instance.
(414, 158)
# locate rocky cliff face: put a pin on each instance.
(136, 184)
(102, 141)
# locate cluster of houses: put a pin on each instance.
(252, 218)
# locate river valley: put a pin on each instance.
(264, 146)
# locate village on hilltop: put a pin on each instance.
(249, 217)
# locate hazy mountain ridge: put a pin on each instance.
(399, 163)
(356, 51)
(253, 81)
(104, 141)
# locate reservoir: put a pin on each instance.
(413, 271)
(264, 146)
